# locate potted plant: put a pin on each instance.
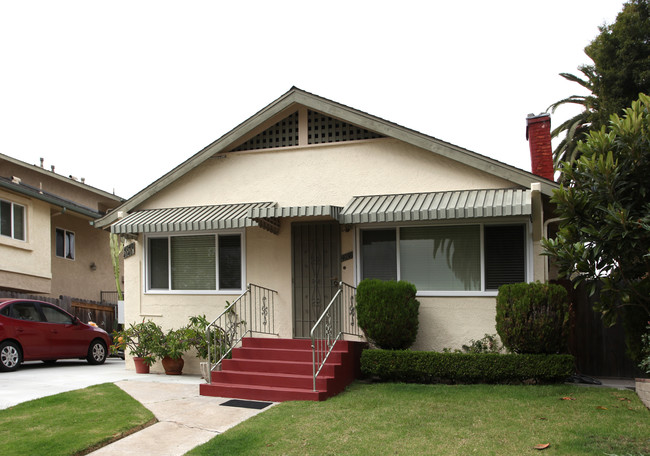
(141, 339)
(197, 339)
(170, 350)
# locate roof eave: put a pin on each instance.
(370, 122)
(54, 201)
(62, 178)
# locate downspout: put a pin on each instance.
(545, 233)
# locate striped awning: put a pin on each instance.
(463, 204)
(194, 218)
(295, 211)
(268, 217)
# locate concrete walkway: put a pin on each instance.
(185, 419)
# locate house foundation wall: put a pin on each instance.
(451, 322)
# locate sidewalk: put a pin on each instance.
(185, 419)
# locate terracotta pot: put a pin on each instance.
(140, 366)
(173, 366)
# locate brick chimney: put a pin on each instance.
(538, 134)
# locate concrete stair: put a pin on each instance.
(280, 370)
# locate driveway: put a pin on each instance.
(185, 419)
(36, 379)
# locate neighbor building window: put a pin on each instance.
(12, 220)
(65, 247)
(448, 258)
(209, 262)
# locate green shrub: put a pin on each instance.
(490, 343)
(645, 355)
(387, 312)
(434, 367)
(533, 318)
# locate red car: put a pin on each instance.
(35, 330)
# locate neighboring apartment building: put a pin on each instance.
(48, 245)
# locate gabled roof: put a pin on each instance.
(296, 97)
(67, 180)
(33, 192)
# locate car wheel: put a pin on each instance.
(97, 352)
(10, 356)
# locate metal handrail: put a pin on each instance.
(332, 324)
(252, 312)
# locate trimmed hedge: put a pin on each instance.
(387, 311)
(533, 317)
(433, 367)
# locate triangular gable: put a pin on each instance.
(295, 100)
(282, 134)
(321, 129)
(324, 129)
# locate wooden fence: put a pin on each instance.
(101, 313)
(599, 350)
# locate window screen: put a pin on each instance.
(379, 254)
(505, 259)
(193, 264)
(230, 262)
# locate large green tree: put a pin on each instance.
(604, 206)
(619, 72)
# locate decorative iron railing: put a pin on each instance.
(339, 317)
(252, 312)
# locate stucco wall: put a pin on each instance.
(450, 322)
(25, 265)
(319, 175)
(76, 277)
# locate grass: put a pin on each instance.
(71, 423)
(396, 419)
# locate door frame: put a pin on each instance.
(315, 271)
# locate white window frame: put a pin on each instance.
(66, 245)
(227, 291)
(528, 250)
(12, 221)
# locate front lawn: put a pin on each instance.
(72, 422)
(409, 419)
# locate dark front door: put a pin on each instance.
(316, 250)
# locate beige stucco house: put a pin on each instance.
(48, 246)
(308, 192)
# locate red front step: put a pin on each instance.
(281, 369)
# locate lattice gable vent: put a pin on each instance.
(282, 134)
(321, 128)
(325, 129)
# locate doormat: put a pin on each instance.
(257, 405)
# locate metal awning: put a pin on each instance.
(269, 217)
(463, 204)
(194, 218)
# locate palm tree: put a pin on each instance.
(581, 123)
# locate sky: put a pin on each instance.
(121, 92)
